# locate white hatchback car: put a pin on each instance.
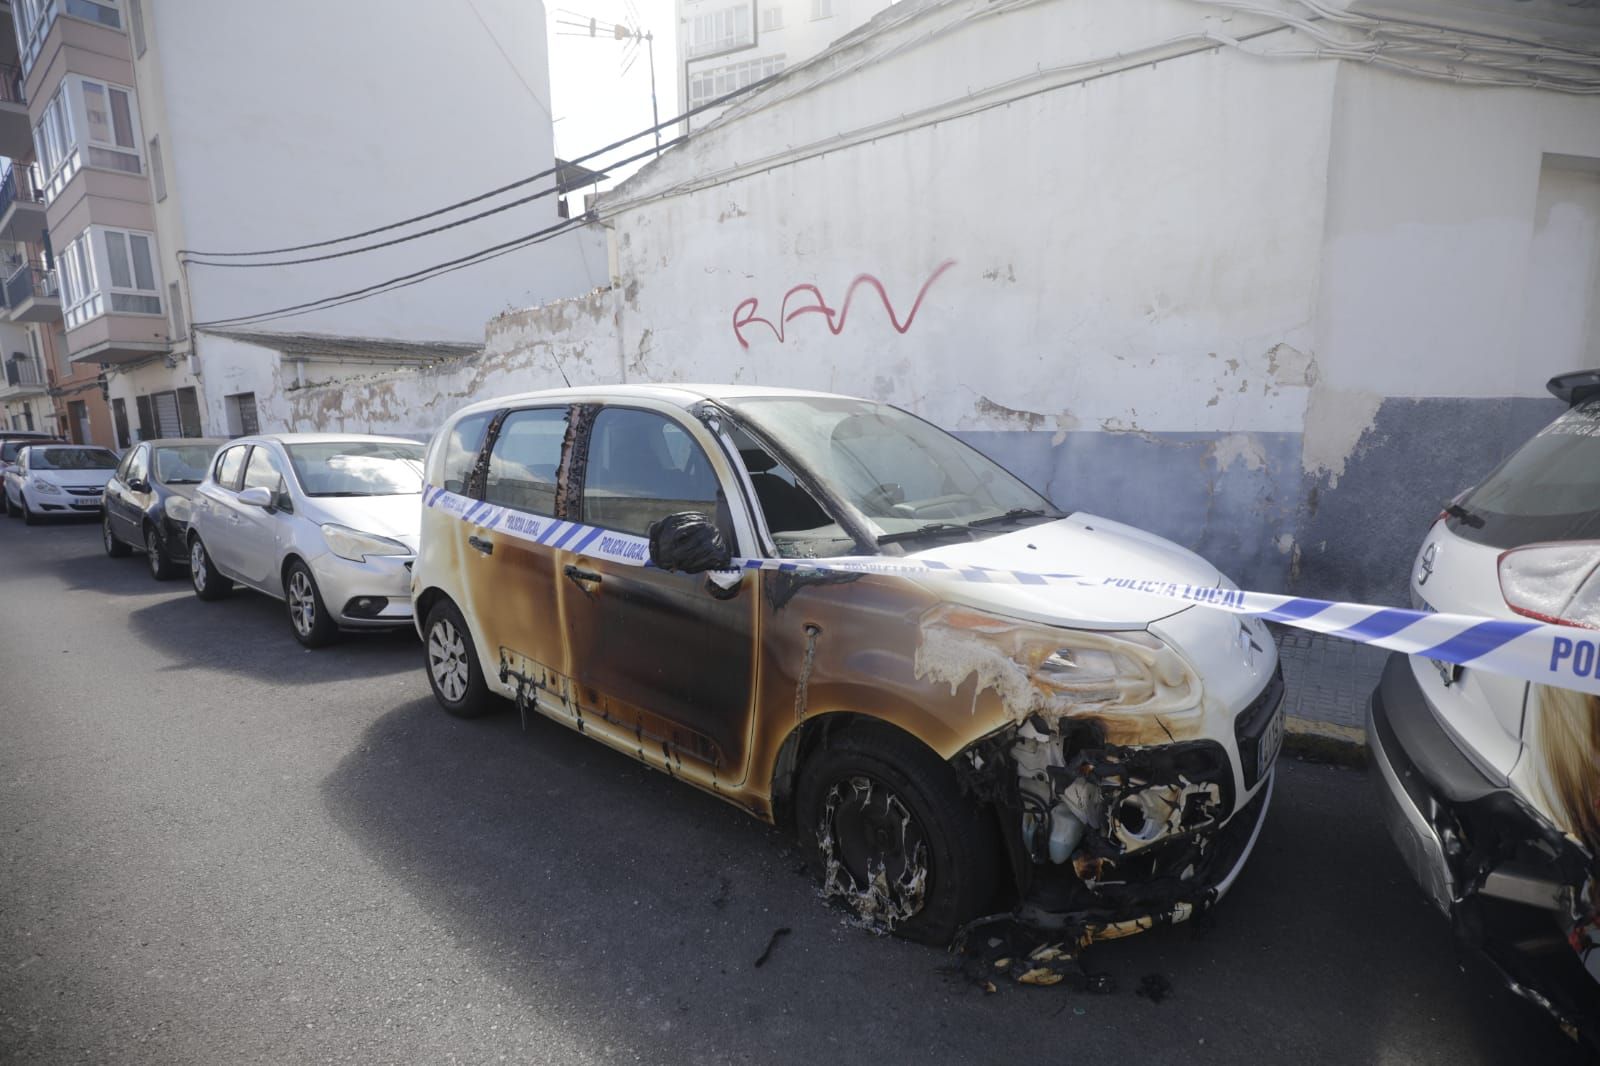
(1096, 757)
(325, 522)
(1491, 786)
(55, 480)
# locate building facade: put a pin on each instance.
(1250, 285)
(723, 45)
(143, 130)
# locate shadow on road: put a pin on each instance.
(181, 629)
(639, 905)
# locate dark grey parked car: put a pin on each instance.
(147, 501)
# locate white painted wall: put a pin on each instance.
(300, 120)
(1129, 253)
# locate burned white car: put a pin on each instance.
(1095, 759)
(1490, 785)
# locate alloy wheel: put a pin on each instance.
(152, 551)
(447, 659)
(197, 565)
(105, 531)
(302, 603)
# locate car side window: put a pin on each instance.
(229, 464)
(461, 447)
(642, 467)
(263, 472)
(136, 467)
(525, 459)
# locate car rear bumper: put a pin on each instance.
(1474, 847)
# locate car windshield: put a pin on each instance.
(910, 480)
(183, 464)
(1549, 489)
(358, 468)
(71, 459)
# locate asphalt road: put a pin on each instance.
(217, 847)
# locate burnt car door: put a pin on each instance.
(507, 576)
(668, 656)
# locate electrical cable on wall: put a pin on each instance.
(191, 254)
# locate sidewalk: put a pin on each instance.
(1328, 682)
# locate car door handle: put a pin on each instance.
(485, 546)
(581, 577)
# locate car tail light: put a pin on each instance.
(1557, 583)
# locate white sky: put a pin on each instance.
(593, 101)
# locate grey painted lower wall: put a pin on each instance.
(1245, 502)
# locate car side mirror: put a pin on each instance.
(688, 542)
(138, 484)
(258, 496)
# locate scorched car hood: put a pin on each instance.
(1078, 544)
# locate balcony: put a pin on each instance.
(21, 206)
(32, 294)
(16, 132)
(22, 379)
(117, 337)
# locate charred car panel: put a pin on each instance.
(1105, 760)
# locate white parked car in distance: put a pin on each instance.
(55, 480)
(325, 522)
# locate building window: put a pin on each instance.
(136, 25)
(53, 139)
(174, 413)
(242, 421)
(109, 270)
(119, 422)
(718, 31)
(91, 122)
(179, 324)
(821, 9)
(58, 339)
(707, 85)
(78, 421)
(113, 142)
(771, 18)
(158, 171)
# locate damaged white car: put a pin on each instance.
(1094, 759)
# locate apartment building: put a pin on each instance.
(725, 46)
(139, 130)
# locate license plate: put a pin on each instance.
(1271, 741)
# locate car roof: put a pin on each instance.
(683, 395)
(319, 438)
(215, 442)
(25, 434)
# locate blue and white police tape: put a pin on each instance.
(1562, 656)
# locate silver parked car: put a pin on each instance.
(325, 522)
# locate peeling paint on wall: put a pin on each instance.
(1239, 447)
(1335, 422)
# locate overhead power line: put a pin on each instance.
(542, 193)
(191, 254)
(404, 280)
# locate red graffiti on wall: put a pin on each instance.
(745, 314)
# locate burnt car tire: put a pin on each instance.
(162, 568)
(114, 547)
(878, 813)
(451, 660)
(313, 626)
(209, 583)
